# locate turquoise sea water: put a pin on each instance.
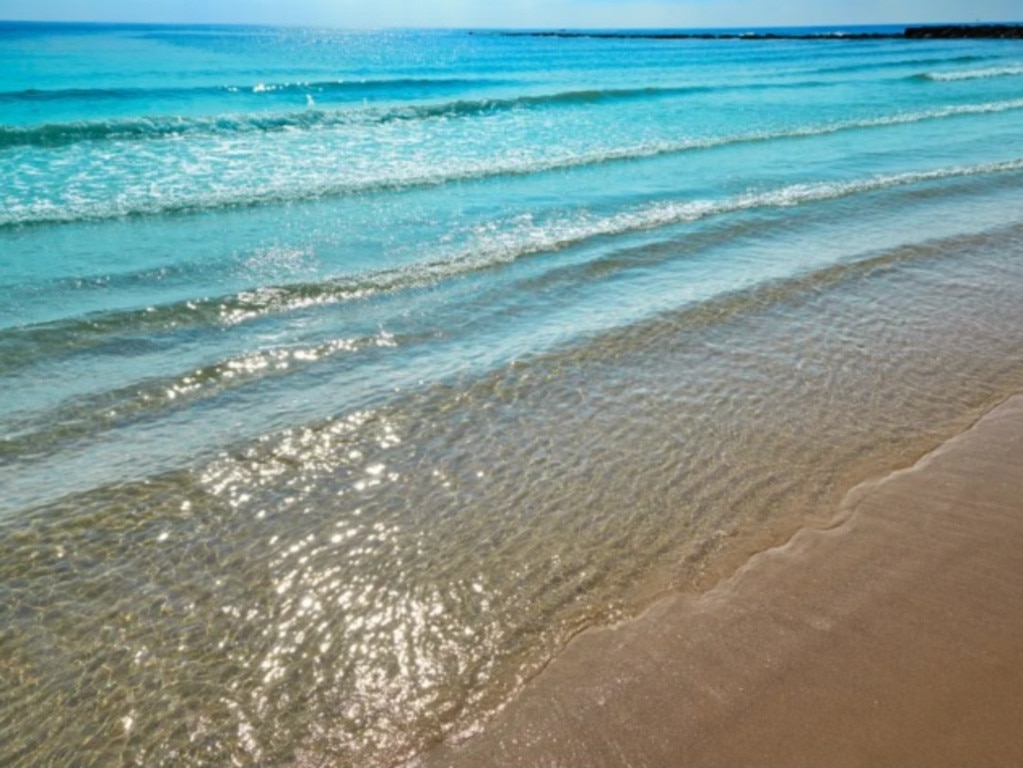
(345, 376)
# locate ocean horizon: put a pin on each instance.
(348, 375)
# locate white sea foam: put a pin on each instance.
(506, 241)
(974, 74)
(71, 185)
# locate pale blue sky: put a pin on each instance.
(520, 13)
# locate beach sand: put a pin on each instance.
(893, 637)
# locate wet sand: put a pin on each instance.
(894, 637)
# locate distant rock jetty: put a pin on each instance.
(957, 32)
(935, 32)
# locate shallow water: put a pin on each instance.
(347, 376)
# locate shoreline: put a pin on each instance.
(893, 635)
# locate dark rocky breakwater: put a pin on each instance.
(945, 32)
(962, 32)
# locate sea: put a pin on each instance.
(346, 376)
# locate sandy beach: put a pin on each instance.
(891, 637)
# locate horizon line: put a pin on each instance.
(299, 25)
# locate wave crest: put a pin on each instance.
(971, 74)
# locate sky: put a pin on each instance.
(519, 13)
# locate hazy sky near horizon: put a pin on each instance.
(520, 13)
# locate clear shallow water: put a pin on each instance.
(346, 376)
